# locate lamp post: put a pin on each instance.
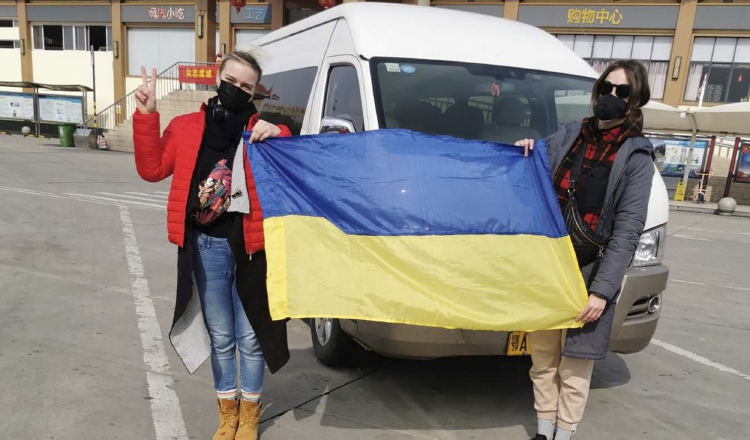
(93, 74)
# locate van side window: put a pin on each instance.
(282, 97)
(343, 99)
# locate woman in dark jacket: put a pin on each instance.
(602, 170)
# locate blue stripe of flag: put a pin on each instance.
(398, 182)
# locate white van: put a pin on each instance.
(369, 66)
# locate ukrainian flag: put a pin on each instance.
(401, 227)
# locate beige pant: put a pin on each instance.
(561, 383)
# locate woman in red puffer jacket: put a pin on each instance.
(214, 218)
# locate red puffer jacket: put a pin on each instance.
(176, 153)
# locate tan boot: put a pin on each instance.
(249, 420)
(229, 418)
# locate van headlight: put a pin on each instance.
(650, 251)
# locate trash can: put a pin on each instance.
(66, 132)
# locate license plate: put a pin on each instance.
(518, 344)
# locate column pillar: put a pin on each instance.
(205, 31)
(510, 11)
(27, 45)
(681, 47)
(120, 70)
(225, 26)
(277, 14)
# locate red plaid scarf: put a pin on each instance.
(601, 149)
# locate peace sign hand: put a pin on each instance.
(145, 96)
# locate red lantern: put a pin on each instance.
(327, 3)
(238, 4)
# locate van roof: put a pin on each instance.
(420, 32)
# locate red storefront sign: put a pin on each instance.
(199, 74)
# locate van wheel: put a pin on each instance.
(331, 345)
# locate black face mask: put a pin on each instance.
(234, 98)
(610, 108)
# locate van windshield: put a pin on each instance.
(478, 102)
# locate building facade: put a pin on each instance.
(683, 44)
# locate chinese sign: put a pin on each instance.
(166, 14)
(591, 16)
(600, 17)
(150, 14)
(199, 74)
(256, 14)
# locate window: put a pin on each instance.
(469, 101)
(68, 38)
(282, 97)
(601, 50)
(53, 37)
(10, 44)
(722, 66)
(98, 37)
(343, 98)
(159, 48)
(8, 23)
(48, 37)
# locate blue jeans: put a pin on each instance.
(226, 320)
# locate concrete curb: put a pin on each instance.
(705, 210)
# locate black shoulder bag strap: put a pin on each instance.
(589, 248)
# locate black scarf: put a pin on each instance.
(221, 138)
(631, 127)
(224, 129)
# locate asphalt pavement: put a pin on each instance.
(87, 282)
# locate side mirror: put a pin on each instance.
(329, 124)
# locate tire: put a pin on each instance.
(331, 345)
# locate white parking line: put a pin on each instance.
(720, 232)
(700, 359)
(117, 201)
(153, 196)
(688, 282)
(80, 198)
(150, 199)
(690, 237)
(165, 405)
(730, 287)
(27, 191)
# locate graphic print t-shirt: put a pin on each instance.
(211, 188)
(211, 192)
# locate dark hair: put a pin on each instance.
(244, 57)
(640, 92)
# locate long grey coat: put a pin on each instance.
(622, 219)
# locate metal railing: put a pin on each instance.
(122, 110)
